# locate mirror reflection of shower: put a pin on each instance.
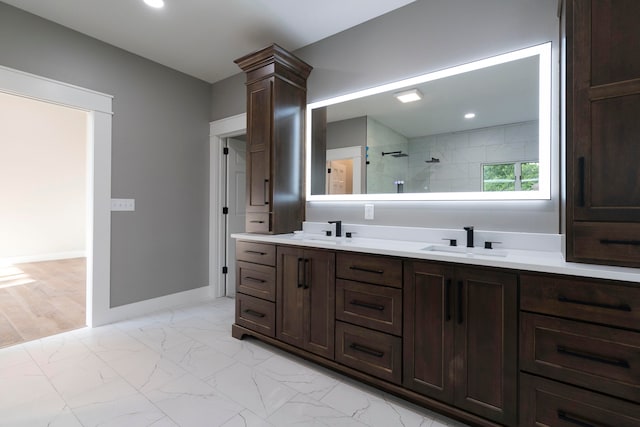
(395, 154)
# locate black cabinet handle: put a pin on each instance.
(266, 191)
(447, 300)
(256, 252)
(593, 357)
(366, 270)
(255, 221)
(620, 242)
(254, 279)
(460, 302)
(307, 278)
(581, 181)
(300, 273)
(367, 305)
(619, 307)
(367, 350)
(564, 416)
(254, 313)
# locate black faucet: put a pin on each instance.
(338, 227)
(469, 230)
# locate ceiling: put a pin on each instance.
(202, 38)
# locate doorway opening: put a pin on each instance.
(235, 202)
(98, 107)
(43, 180)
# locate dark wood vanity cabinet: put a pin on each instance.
(603, 131)
(305, 299)
(369, 314)
(461, 338)
(256, 287)
(579, 351)
(276, 102)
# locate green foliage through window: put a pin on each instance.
(515, 176)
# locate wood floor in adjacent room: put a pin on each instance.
(40, 299)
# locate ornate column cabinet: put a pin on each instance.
(603, 131)
(276, 102)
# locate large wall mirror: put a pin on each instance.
(478, 131)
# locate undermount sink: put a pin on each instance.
(465, 250)
(326, 239)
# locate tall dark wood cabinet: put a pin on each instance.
(461, 337)
(276, 102)
(306, 299)
(603, 131)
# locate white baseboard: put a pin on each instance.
(136, 309)
(43, 257)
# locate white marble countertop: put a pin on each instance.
(544, 258)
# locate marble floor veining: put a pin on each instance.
(181, 367)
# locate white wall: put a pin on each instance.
(42, 179)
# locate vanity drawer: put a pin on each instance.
(256, 314)
(548, 403)
(598, 301)
(596, 357)
(369, 351)
(372, 306)
(369, 268)
(258, 222)
(260, 253)
(618, 242)
(256, 280)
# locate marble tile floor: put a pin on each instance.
(181, 367)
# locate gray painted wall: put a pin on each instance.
(425, 36)
(160, 151)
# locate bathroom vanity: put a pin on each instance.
(515, 337)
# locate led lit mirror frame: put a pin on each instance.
(543, 51)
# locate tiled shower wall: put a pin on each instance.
(383, 171)
(462, 155)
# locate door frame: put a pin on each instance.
(219, 130)
(98, 209)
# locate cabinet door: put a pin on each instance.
(603, 104)
(320, 302)
(305, 308)
(259, 134)
(428, 330)
(486, 343)
(290, 293)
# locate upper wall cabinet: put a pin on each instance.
(276, 100)
(603, 131)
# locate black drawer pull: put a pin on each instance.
(593, 357)
(255, 221)
(620, 242)
(564, 416)
(266, 191)
(366, 270)
(367, 305)
(253, 313)
(619, 307)
(460, 303)
(447, 300)
(366, 350)
(581, 181)
(301, 272)
(256, 252)
(253, 279)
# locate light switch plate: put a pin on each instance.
(368, 211)
(123, 205)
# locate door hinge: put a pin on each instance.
(225, 150)
(225, 210)
(225, 270)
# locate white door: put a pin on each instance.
(235, 219)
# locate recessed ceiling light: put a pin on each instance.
(408, 95)
(155, 3)
(469, 115)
